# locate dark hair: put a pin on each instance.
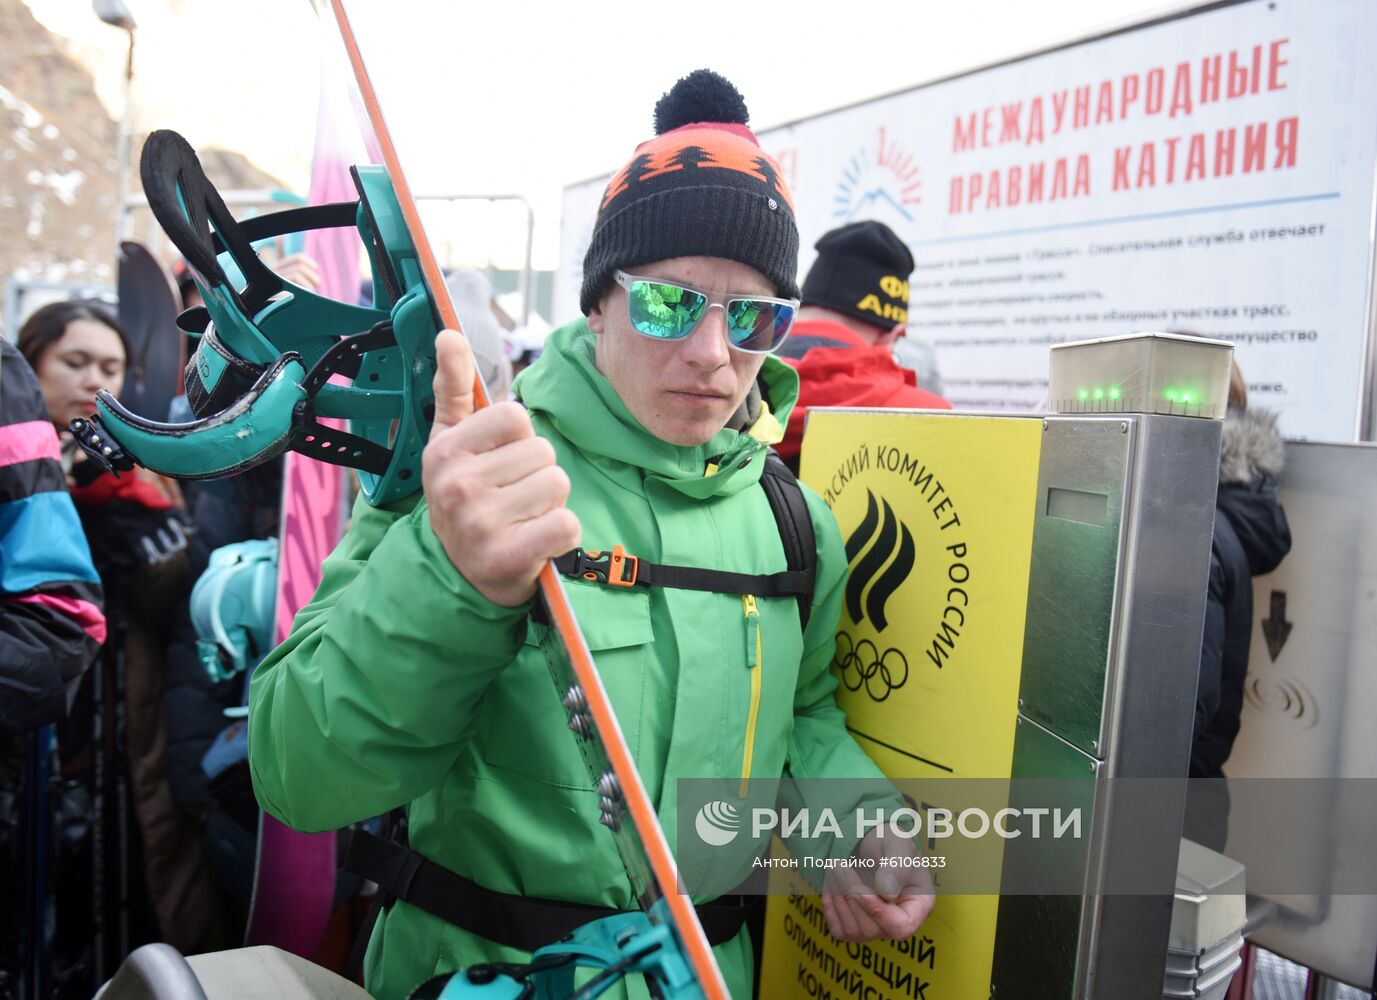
(47, 325)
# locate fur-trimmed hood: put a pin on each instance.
(1250, 465)
(1252, 447)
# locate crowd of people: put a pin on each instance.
(129, 799)
(413, 681)
(105, 701)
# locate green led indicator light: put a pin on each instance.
(1113, 392)
(1099, 393)
(1185, 397)
(1171, 395)
(1084, 394)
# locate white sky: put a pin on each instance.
(527, 97)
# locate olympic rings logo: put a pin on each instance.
(863, 665)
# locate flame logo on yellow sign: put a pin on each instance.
(881, 553)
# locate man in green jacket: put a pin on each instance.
(414, 678)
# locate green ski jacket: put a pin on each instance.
(401, 685)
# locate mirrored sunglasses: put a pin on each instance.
(664, 310)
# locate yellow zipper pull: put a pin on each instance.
(748, 605)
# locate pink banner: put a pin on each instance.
(312, 516)
(339, 145)
(295, 879)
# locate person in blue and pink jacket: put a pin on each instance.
(52, 626)
(51, 620)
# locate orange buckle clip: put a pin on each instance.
(618, 575)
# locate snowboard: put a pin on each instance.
(627, 810)
(148, 308)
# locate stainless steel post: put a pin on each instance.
(1111, 657)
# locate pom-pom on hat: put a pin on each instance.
(701, 187)
(862, 270)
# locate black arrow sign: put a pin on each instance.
(1275, 628)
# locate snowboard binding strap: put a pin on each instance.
(274, 359)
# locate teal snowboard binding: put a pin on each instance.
(274, 358)
(615, 946)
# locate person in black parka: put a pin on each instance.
(1251, 536)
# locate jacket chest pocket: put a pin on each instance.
(525, 729)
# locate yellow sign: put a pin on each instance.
(937, 513)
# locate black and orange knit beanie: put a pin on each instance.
(701, 187)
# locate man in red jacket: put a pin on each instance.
(855, 306)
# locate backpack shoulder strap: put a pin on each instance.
(795, 525)
(618, 568)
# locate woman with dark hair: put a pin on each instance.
(75, 348)
(121, 746)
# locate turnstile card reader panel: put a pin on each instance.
(1077, 537)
